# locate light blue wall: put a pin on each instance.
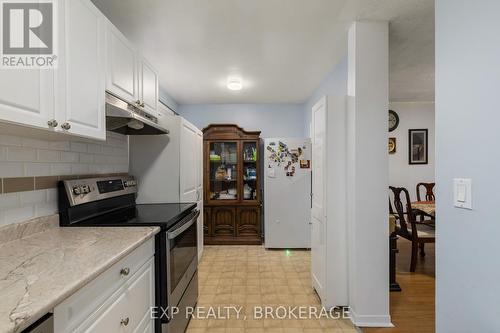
(335, 83)
(467, 137)
(273, 120)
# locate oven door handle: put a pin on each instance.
(174, 233)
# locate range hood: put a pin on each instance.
(125, 118)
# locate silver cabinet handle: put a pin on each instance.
(66, 126)
(125, 271)
(142, 104)
(52, 123)
(138, 102)
(125, 321)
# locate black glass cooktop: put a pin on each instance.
(163, 215)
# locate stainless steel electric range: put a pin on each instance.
(110, 201)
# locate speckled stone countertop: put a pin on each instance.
(42, 264)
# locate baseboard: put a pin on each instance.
(370, 321)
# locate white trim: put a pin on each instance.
(369, 320)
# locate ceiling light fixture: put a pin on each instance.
(234, 83)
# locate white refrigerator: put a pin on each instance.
(287, 192)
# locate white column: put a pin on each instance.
(368, 168)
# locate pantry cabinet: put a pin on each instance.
(169, 167)
(232, 185)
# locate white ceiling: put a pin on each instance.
(281, 48)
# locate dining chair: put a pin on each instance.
(429, 191)
(417, 233)
(429, 196)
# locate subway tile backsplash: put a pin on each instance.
(30, 169)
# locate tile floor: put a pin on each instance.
(250, 276)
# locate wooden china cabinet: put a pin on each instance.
(232, 195)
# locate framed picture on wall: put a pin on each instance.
(417, 146)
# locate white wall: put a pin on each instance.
(335, 83)
(273, 120)
(27, 157)
(411, 116)
(367, 173)
(467, 138)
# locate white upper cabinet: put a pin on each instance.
(128, 75)
(27, 96)
(81, 90)
(148, 87)
(121, 66)
(93, 56)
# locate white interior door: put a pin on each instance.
(318, 211)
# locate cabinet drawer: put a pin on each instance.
(79, 306)
(128, 309)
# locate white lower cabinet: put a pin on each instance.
(118, 300)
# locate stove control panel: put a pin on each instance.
(80, 191)
(130, 183)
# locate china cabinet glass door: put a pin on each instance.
(250, 156)
(223, 174)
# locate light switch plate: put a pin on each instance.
(462, 193)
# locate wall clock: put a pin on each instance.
(393, 120)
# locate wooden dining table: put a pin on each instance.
(426, 207)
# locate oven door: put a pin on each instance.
(182, 257)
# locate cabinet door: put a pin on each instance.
(248, 222)
(149, 87)
(199, 189)
(207, 224)
(223, 168)
(81, 86)
(188, 168)
(27, 96)
(223, 221)
(127, 309)
(121, 65)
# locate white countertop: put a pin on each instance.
(39, 271)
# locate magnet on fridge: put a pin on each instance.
(271, 173)
(305, 164)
